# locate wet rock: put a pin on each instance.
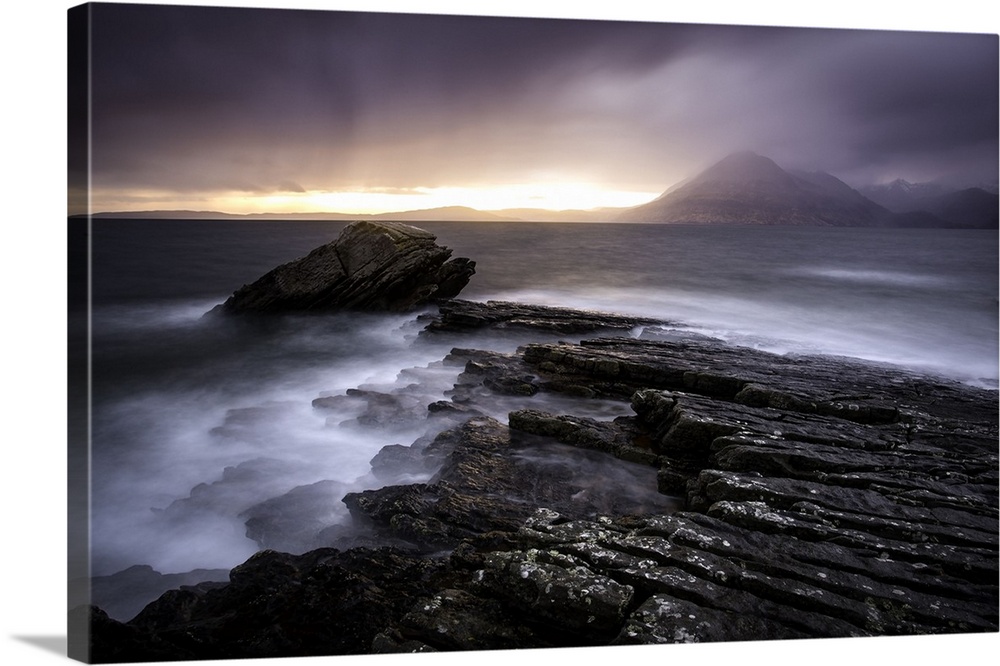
(665, 619)
(451, 410)
(111, 641)
(844, 388)
(396, 462)
(462, 316)
(812, 497)
(824, 497)
(459, 620)
(376, 266)
(294, 521)
(322, 602)
(621, 438)
(374, 408)
(492, 478)
(558, 590)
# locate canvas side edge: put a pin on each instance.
(78, 334)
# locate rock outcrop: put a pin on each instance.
(376, 266)
(765, 497)
(492, 478)
(275, 604)
(456, 316)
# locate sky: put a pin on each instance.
(258, 110)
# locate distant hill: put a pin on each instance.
(746, 188)
(167, 215)
(217, 215)
(972, 207)
(544, 215)
(900, 195)
(444, 214)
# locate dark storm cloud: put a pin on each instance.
(172, 81)
(923, 101)
(252, 100)
(215, 88)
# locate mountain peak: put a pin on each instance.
(744, 170)
(747, 188)
(744, 157)
(744, 163)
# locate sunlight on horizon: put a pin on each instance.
(549, 196)
(561, 196)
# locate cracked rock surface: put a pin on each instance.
(736, 495)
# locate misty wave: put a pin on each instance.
(130, 318)
(214, 438)
(221, 419)
(207, 445)
(916, 337)
(873, 277)
(610, 485)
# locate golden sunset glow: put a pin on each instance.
(549, 196)
(555, 196)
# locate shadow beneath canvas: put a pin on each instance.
(55, 644)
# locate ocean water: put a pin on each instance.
(197, 422)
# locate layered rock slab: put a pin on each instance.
(492, 478)
(464, 316)
(821, 498)
(372, 266)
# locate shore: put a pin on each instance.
(792, 497)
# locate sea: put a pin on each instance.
(198, 422)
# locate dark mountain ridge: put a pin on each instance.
(899, 195)
(971, 207)
(746, 188)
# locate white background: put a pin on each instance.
(33, 522)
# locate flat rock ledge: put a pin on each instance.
(460, 316)
(374, 266)
(793, 497)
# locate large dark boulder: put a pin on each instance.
(376, 266)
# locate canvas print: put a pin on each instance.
(404, 333)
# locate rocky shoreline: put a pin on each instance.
(740, 495)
